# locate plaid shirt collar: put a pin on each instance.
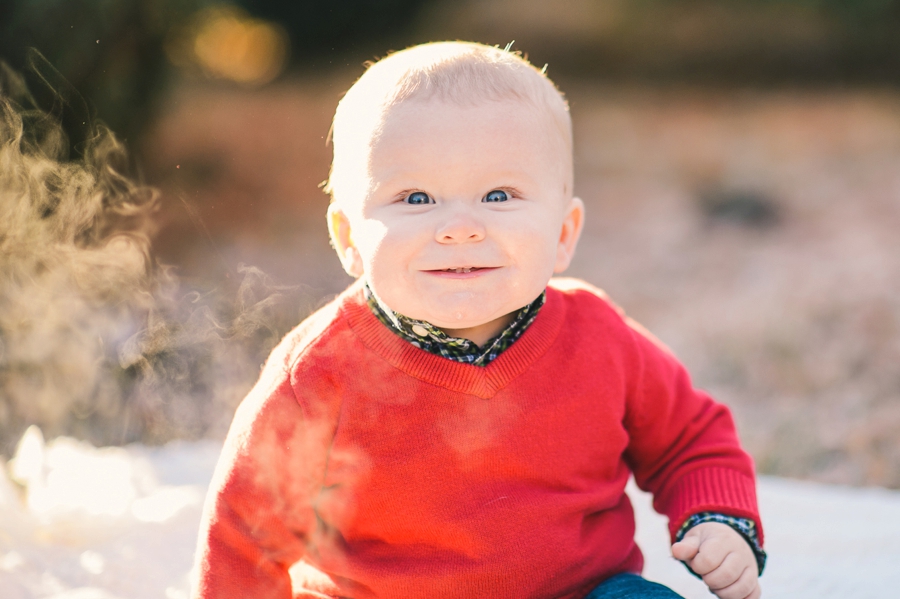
(426, 336)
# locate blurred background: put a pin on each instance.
(738, 160)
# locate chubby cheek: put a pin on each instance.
(368, 237)
(535, 275)
(386, 255)
(534, 251)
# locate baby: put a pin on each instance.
(456, 424)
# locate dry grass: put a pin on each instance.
(793, 321)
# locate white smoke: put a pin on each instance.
(98, 340)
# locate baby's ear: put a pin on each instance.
(568, 237)
(342, 242)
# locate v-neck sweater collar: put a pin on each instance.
(481, 381)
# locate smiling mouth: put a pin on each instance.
(461, 270)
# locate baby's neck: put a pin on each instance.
(481, 334)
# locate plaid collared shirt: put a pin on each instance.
(426, 336)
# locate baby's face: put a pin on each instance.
(467, 213)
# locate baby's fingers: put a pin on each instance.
(746, 586)
(686, 549)
(708, 557)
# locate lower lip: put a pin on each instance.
(451, 274)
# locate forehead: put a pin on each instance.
(422, 131)
(416, 108)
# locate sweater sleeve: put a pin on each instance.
(254, 526)
(683, 446)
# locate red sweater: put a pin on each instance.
(377, 469)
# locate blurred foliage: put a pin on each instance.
(107, 59)
(715, 42)
(113, 52)
(857, 21)
(334, 28)
(862, 11)
(107, 52)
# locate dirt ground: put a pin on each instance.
(754, 232)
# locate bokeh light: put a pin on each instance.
(226, 43)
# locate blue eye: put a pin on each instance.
(497, 195)
(417, 198)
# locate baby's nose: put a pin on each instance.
(460, 227)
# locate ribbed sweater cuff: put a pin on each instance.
(720, 490)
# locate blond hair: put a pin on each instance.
(464, 73)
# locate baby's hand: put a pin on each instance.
(722, 557)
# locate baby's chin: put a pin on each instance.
(456, 310)
(466, 310)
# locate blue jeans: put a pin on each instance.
(631, 586)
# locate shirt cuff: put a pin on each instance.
(743, 526)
